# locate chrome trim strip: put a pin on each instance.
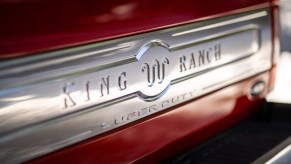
(152, 71)
(283, 156)
(249, 34)
(240, 19)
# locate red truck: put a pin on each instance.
(86, 81)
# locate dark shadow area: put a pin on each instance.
(244, 143)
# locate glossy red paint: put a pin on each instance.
(167, 133)
(31, 26)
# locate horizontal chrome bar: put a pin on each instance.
(55, 99)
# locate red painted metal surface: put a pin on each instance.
(31, 26)
(167, 133)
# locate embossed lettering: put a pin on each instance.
(175, 99)
(67, 89)
(155, 71)
(131, 115)
(122, 81)
(153, 108)
(87, 91)
(161, 73)
(182, 63)
(201, 57)
(165, 103)
(104, 84)
(143, 111)
(217, 51)
(192, 61)
(208, 55)
(120, 120)
(184, 96)
(107, 124)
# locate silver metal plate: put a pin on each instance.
(60, 98)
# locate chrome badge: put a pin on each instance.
(73, 94)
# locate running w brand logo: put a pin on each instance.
(155, 71)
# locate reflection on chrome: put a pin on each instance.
(282, 157)
(105, 85)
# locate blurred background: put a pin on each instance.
(282, 89)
